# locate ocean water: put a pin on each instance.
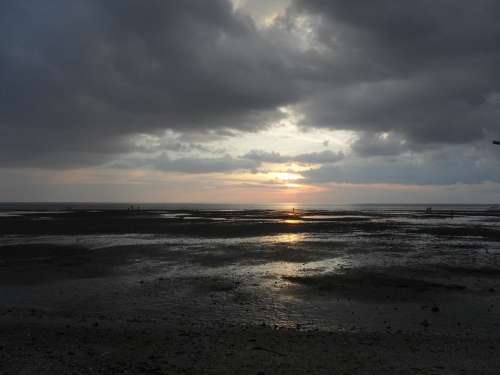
(37, 206)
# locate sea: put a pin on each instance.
(54, 206)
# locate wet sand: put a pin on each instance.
(249, 291)
(35, 342)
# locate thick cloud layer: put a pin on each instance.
(79, 76)
(411, 79)
(427, 70)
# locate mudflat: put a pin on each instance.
(252, 291)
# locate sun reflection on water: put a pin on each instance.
(288, 238)
(293, 221)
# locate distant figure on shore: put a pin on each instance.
(428, 210)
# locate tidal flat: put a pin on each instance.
(265, 291)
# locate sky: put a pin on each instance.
(250, 101)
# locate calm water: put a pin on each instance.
(207, 206)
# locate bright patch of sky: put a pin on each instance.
(264, 12)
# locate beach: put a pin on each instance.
(352, 290)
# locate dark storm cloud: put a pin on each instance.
(80, 76)
(427, 70)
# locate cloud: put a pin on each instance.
(432, 167)
(426, 70)
(84, 82)
(262, 156)
(322, 157)
(379, 144)
(210, 165)
(83, 76)
(190, 165)
(226, 163)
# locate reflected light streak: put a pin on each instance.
(288, 238)
(293, 221)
